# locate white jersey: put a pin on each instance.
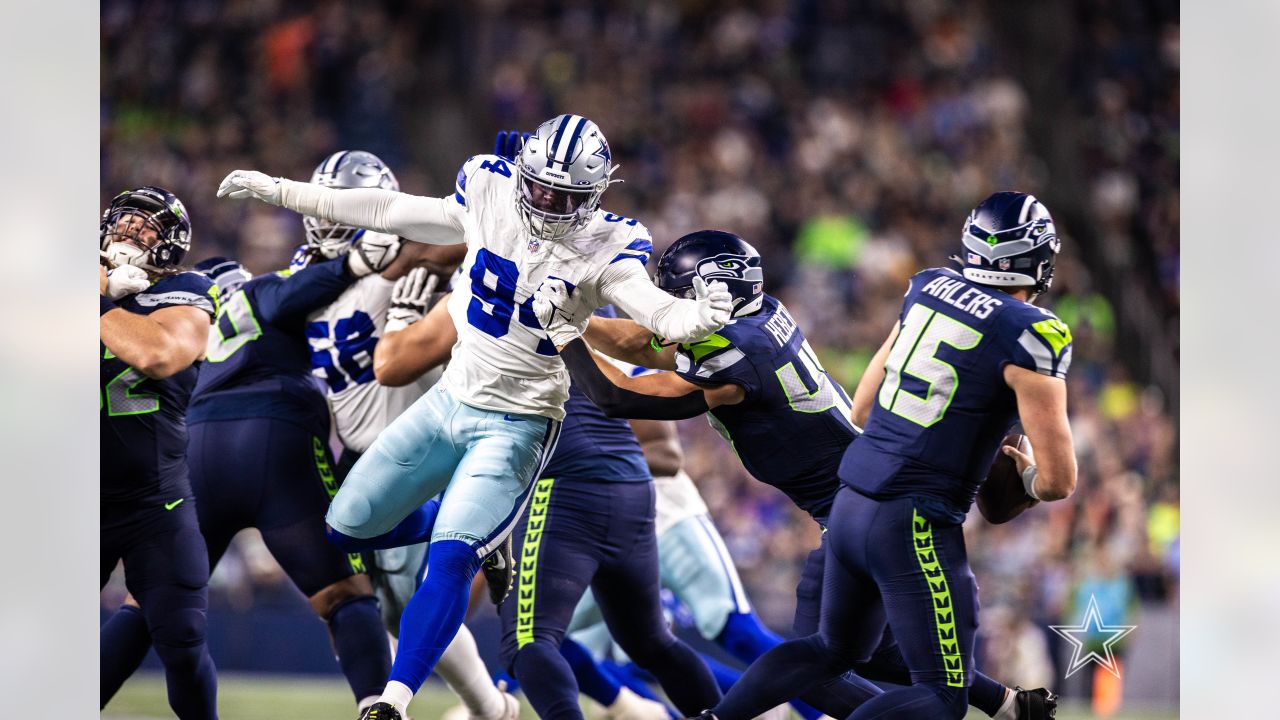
(503, 359)
(342, 337)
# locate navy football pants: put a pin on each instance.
(577, 533)
(166, 568)
(277, 477)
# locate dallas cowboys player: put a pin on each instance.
(968, 356)
(790, 429)
(344, 337)
(154, 324)
(493, 420)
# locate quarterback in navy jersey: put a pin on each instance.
(968, 356)
(154, 324)
(258, 451)
(765, 391)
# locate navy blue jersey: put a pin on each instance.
(259, 362)
(943, 407)
(142, 421)
(793, 425)
(594, 446)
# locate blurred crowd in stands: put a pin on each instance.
(845, 139)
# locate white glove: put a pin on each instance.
(372, 253)
(126, 280)
(409, 299)
(241, 184)
(551, 305)
(715, 305)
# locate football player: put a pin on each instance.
(491, 424)
(258, 450)
(968, 357)
(154, 325)
(770, 397)
(343, 337)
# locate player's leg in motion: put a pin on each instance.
(487, 460)
(557, 546)
(168, 573)
(627, 588)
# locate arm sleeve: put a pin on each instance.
(283, 299)
(620, 402)
(626, 285)
(1041, 344)
(429, 220)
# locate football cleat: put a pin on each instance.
(1038, 704)
(499, 572)
(381, 711)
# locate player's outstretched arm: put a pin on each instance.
(430, 220)
(660, 445)
(414, 341)
(1050, 473)
(629, 342)
(657, 396)
(864, 396)
(157, 345)
(626, 285)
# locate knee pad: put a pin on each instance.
(178, 629)
(349, 514)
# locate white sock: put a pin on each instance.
(1008, 709)
(398, 695)
(466, 675)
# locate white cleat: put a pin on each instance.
(782, 712)
(630, 706)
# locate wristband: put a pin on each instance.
(105, 305)
(1029, 481)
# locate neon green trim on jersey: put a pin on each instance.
(215, 295)
(703, 348)
(1055, 332)
(121, 400)
(944, 617)
(526, 582)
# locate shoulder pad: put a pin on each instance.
(185, 288)
(477, 167)
(1045, 338)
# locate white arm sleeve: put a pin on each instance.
(429, 220)
(626, 285)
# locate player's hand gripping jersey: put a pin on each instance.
(142, 420)
(765, 354)
(944, 406)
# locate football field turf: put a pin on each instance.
(283, 697)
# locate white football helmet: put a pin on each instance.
(564, 169)
(345, 169)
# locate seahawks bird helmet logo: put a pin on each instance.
(729, 267)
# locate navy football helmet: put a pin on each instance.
(226, 273)
(147, 227)
(1010, 241)
(714, 255)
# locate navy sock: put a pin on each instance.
(594, 682)
(122, 646)
(986, 694)
(435, 612)
(361, 644)
(916, 701)
(415, 528)
(746, 638)
(548, 681)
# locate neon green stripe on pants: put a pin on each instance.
(529, 561)
(943, 613)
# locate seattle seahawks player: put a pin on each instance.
(492, 422)
(749, 376)
(969, 355)
(154, 324)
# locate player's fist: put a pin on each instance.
(715, 305)
(241, 184)
(551, 306)
(372, 253)
(409, 299)
(1023, 455)
(126, 280)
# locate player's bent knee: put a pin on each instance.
(332, 597)
(179, 629)
(351, 514)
